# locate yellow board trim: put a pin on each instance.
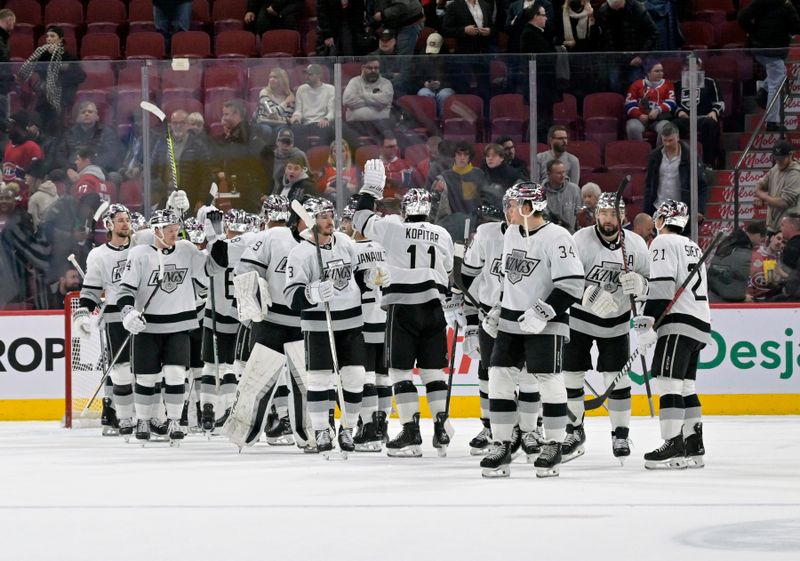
(469, 406)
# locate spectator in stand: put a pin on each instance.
(58, 77)
(404, 18)
(590, 194)
(68, 281)
(88, 132)
(462, 189)
(191, 161)
(351, 175)
(729, 270)
(763, 281)
(43, 191)
(340, 26)
(423, 167)
(537, 38)
(650, 102)
(790, 258)
(236, 158)
(581, 35)
(51, 146)
(664, 14)
(197, 123)
(515, 22)
(627, 29)
(511, 155)
(557, 138)
(89, 177)
(275, 105)
(709, 111)
(7, 22)
(398, 170)
(280, 154)
(499, 175)
(668, 176)
(19, 152)
(367, 100)
(313, 112)
(273, 14)
(391, 66)
(170, 17)
(770, 25)
(471, 24)
(779, 188)
(643, 225)
(433, 71)
(296, 183)
(563, 196)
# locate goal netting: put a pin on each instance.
(87, 359)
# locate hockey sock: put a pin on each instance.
(692, 413)
(502, 402)
(157, 410)
(174, 390)
(405, 394)
(143, 395)
(554, 405)
(227, 387)
(352, 389)
(122, 386)
(208, 387)
(483, 390)
(369, 400)
(281, 400)
(384, 389)
(108, 388)
(575, 393)
(671, 402)
(318, 396)
(530, 401)
(435, 389)
(619, 402)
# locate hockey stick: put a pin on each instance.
(215, 349)
(153, 109)
(455, 340)
(312, 224)
(75, 264)
(594, 391)
(590, 404)
(617, 201)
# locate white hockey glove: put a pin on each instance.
(633, 283)
(212, 226)
(377, 277)
(471, 346)
(245, 288)
(453, 308)
(133, 320)
(319, 291)
(600, 302)
(536, 317)
(374, 178)
(82, 323)
(178, 201)
(491, 323)
(646, 337)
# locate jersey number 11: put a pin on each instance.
(412, 250)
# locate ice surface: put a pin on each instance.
(76, 495)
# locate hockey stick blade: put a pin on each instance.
(100, 210)
(154, 109)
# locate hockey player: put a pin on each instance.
(195, 231)
(420, 261)
(104, 267)
(603, 318)
(682, 334)
(312, 290)
(542, 278)
(157, 279)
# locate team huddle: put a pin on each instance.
(265, 324)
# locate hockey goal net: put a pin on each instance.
(85, 364)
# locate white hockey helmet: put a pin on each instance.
(609, 200)
(317, 205)
(674, 213)
(508, 196)
(164, 217)
(350, 208)
(194, 230)
(237, 220)
(111, 212)
(276, 208)
(416, 202)
(138, 221)
(256, 222)
(531, 193)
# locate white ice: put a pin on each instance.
(76, 495)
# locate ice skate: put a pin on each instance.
(280, 434)
(175, 433)
(548, 461)
(668, 456)
(219, 423)
(207, 418)
(694, 449)
(184, 421)
(346, 444)
(407, 444)
(272, 420)
(497, 463)
(158, 430)
(108, 418)
(516, 442)
(324, 444)
(441, 439)
(531, 445)
(143, 430)
(126, 429)
(573, 444)
(381, 426)
(367, 439)
(479, 445)
(620, 444)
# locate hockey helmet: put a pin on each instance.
(276, 208)
(508, 196)
(674, 213)
(531, 193)
(350, 208)
(164, 217)
(489, 213)
(194, 230)
(317, 205)
(609, 200)
(256, 222)
(111, 212)
(138, 221)
(416, 202)
(237, 220)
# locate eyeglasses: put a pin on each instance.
(373, 67)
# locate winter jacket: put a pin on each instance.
(398, 13)
(101, 139)
(330, 15)
(684, 173)
(457, 16)
(770, 24)
(304, 185)
(629, 30)
(40, 201)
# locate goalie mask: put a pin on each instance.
(417, 202)
(194, 230)
(138, 221)
(237, 220)
(276, 208)
(532, 194)
(111, 212)
(674, 213)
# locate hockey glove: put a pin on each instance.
(377, 277)
(374, 178)
(178, 201)
(471, 346)
(319, 291)
(453, 308)
(212, 226)
(81, 323)
(245, 288)
(133, 320)
(600, 302)
(633, 283)
(535, 318)
(491, 323)
(646, 337)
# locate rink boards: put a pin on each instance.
(750, 368)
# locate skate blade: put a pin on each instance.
(672, 463)
(547, 472)
(442, 451)
(195, 430)
(407, 452)
(695, 462)
(369, 447)
(334, 455)
(110, 431)
(280, 440)
(309, 450)
(496, 473)
(478, 451)
(174, 443)
(576, 454)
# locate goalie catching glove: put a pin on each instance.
(374, 178)
(600, 302)
(133, 320)
(318, 292)
(633, 283)
(535, 318)
(82, 323)
(646, 337)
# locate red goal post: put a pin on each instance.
(83, 368)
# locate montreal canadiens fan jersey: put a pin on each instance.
(268, 255)
(602, 263)
(534, 267)
(419, 256)
(483, 261)
(673, 257)
(227, 316)
(104, 267)
(370, 255)
(339, 259)
(172, 308)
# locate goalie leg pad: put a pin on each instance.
(263, 293)
(245, 289)
(502, 401)
(298, 399)
(554, 405)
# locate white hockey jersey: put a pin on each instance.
(532, 269)
(370, 254)
(104, 267)
(339, 260)
(268, 255)
(482, 260)
(172, 308)
(602, 263)
(227, 317)
(419, 256)
(673, 258)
